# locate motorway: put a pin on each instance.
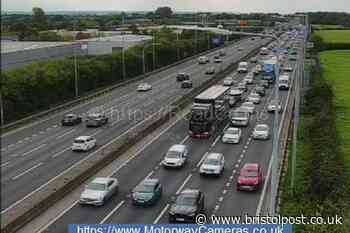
(221, 197)
(35, 154)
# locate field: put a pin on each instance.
(336, 70)
(334, 36)
(326, 27)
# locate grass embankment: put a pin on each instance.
(327, 27)
(322, 181)
(334, 36)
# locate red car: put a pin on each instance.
(250, 177)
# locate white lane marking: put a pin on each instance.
(112, 212)
(183, 184)
(97, 132)
(34, 135)
(149, 175)
(221, 199)
(11, 145)
(57, 217)
(48, 129)
(27, 138)
(26, 171)
(228, 184)
(161, 214)
(242, 155)
(59, 153)
(41, 132)
(224, 191)
(239, 161)
(216, 141)
(32, 150)
(55, 126)
(4, 164)
(233, 172)
(236, 166)
(66, 133)
(115, 122)
(14, 155)
(185, 139)
(19, 142)
(200, 161)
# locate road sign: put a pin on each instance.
(216, 41)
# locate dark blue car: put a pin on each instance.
(147, 193)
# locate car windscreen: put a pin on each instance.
(144, 188)
(210, 161)
(261, 128)
(238, 114)
(232, 131)
(79, 141)
(186, 200)
(173, 154)
(249, 173)
(96, 186)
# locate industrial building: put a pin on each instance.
(15, 54)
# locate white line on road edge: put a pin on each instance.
(66, 133)
(216, 141)
(97, 132)
(56, 217)
(59, 153)
(112, 212)
(26, 171)
(35, 149)
(161, 214)
(185, 139)
(183, 184)
(4, 164)
(149, 175)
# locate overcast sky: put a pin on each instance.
(281, 6)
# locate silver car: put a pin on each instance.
(254, 97)
(249, 106)
(213, 164)
(261, 131)
(232, 135)
(99, 191)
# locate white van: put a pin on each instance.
(203, 60)
(242, 67)
(283, 82)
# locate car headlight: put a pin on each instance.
(192, 214)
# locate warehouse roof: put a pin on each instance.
(15, 46)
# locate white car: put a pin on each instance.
(83, 143)
(213, 164)
(273, 105)
(261, 131)
(288, 68)
(232, 135)
(176, 156)
(249, 78)
(99, 190)
(203, 60)
(235, 92)
(228, 81)
(144, 87)
(250, 106)
(254, 97)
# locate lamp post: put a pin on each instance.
(76, 73)
(143, 55)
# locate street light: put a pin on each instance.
(143, 55)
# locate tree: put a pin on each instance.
(164, 12)
(39, 18)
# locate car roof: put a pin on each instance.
(177, 147)
(250, 166)
(101, 180)
(232, 128)
(190, 192)
(82, 137)
(262, 125)
(70, 115)
(149, 181)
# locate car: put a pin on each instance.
(217, 59)
(253, 60)
(210, 70)
(187, 84)
(213, 164)
(233, 100)
(260, 90)
(273, 105)
(235, 91)
(249, 78)
(242, 67)
(222, 52)
(292, 58)
(250, 177)
(242, 86)
(144, 87)
(176, 156)
(254, 97)
(96, 120)
(232, 135)
(264, 83)
(288, 68)
(98, 191)
(203, 60)
(186, 206)
(240, 49)
(240, 116)
(83, 143)
(261, 131)
(147, 193)
(182, 77)
(71, 119)
(228, 81)
(258, 68)
(250, 106)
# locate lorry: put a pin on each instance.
(269, 70)
(283, 82)
(209, 112)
